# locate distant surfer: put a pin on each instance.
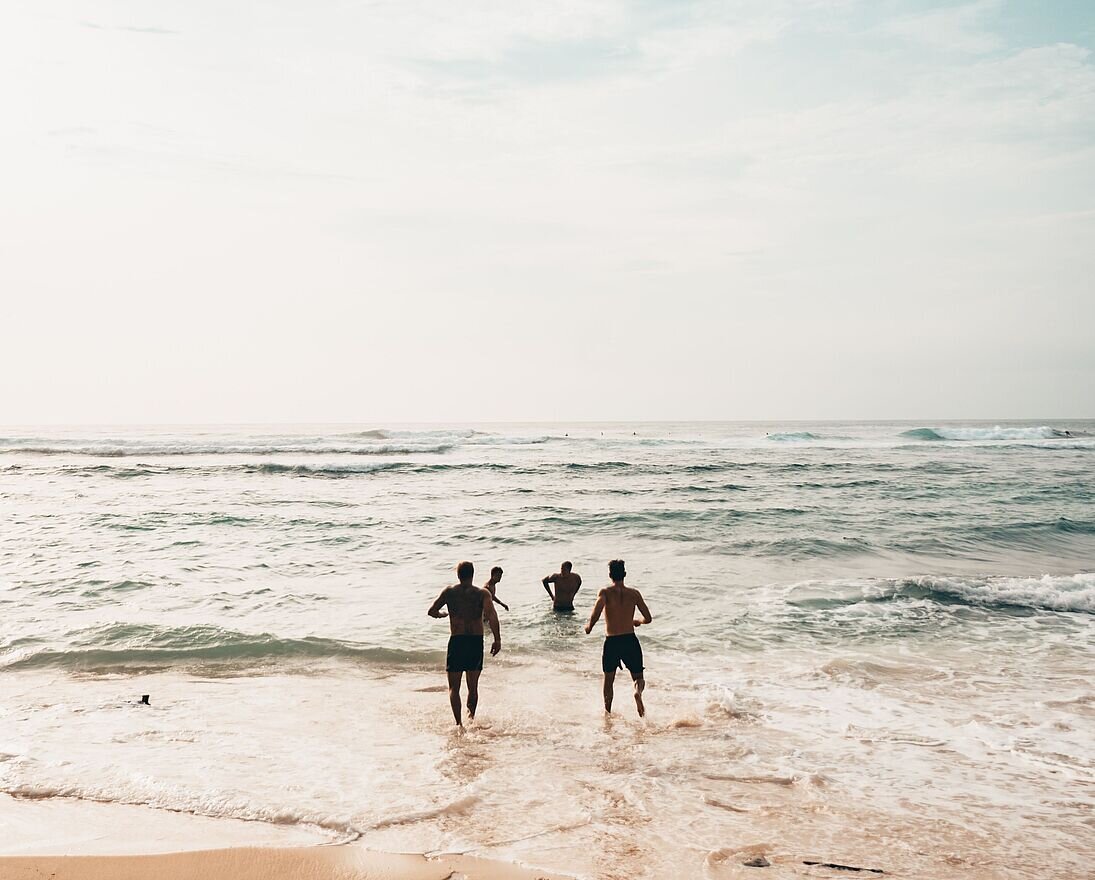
(492, 586)
(567, 584)
(621, 647)
(468, 606)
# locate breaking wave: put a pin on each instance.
(1043, 432)
(1067, 593)
(127, 645)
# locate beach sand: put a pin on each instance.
(72, 839)
(345, 862)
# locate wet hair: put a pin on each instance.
(496, 570)
(567, 566)
(465, 570)
(616, 570)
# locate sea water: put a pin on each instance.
(872, 643)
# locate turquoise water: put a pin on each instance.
(791, 569)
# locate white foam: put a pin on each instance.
(1042, 432)
(1074, 592)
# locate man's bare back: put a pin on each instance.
(619, 604)
(567, 583)
(467, 606)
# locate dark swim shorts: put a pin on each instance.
(624, 650)
(465, 653)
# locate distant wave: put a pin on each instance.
(1043, 432)
(792, 436)
(128, 645)
(326, 470)
(1067, 593)
(802, 547)
(116, 450)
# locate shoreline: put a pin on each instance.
(73, 839)
(315, 862)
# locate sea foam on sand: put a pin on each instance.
(77, 840)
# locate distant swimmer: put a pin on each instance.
(492, 585)
(567, 584)
(622, 646)
(468, 606)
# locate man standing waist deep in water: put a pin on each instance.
(621, 644)
(567, 584)
(468, 606)
(492, 585)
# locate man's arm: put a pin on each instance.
(550, 579)
(492, 619)
(578, 585)
(435, 608)
(596, 615)
(641, 605)
(494, 597)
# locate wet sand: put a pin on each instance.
(72, 839)
(347, 862)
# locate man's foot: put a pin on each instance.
(640, 686)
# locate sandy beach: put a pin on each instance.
(70, 839)
(264, 863)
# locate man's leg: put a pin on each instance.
(473, 691)
(640, 686)
(609, 678)
(454, 694)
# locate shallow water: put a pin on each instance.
(872, 642)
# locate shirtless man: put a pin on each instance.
(492, 585)
(621, 644)
(567, 584)
(468, 606)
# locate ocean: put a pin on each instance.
(872, 642)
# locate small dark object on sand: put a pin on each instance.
(144, 700)
(758, 862)
(845, 867)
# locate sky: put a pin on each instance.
(397, 210)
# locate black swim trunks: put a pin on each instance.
(624, 650)
(465, 653)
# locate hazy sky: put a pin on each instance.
(301, 210)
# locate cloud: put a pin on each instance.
(145, 30)
(959, 28)
(812, 178)
(91, 25)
